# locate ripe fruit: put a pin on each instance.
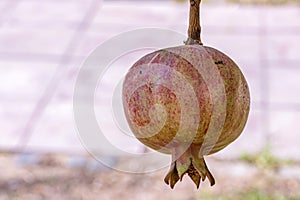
(188, 101)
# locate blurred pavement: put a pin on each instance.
(43, 44)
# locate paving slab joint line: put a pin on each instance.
(57, 77)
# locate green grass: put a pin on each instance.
(265, 159)
(265, 190)
(259, 195)
(253, 194)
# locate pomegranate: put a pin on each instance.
(177, 103)
(188, 101)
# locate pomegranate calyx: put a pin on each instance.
(201, 167)
(191, 164)
(172, 177)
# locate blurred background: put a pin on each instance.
(42, 46)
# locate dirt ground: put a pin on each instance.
(51, 177)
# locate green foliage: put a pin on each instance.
(259, 195)
(264, 159)
(252, 194)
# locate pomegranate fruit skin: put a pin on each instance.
(154, 107)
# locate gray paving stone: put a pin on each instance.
(290, 172)
(231, 16)
(49, 11)
(24, 81)
(284, 134)
(31, 41)
(282, 16)
(250, 35)
(279, 48)
(238, 47)
(14, 115)
(284, 85)
(55, 131)
(141, 13)
(3, 4)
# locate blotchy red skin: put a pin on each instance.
(155, 93)
(138, 104)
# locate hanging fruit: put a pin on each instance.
(188, 101)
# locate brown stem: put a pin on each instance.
(194, 31)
